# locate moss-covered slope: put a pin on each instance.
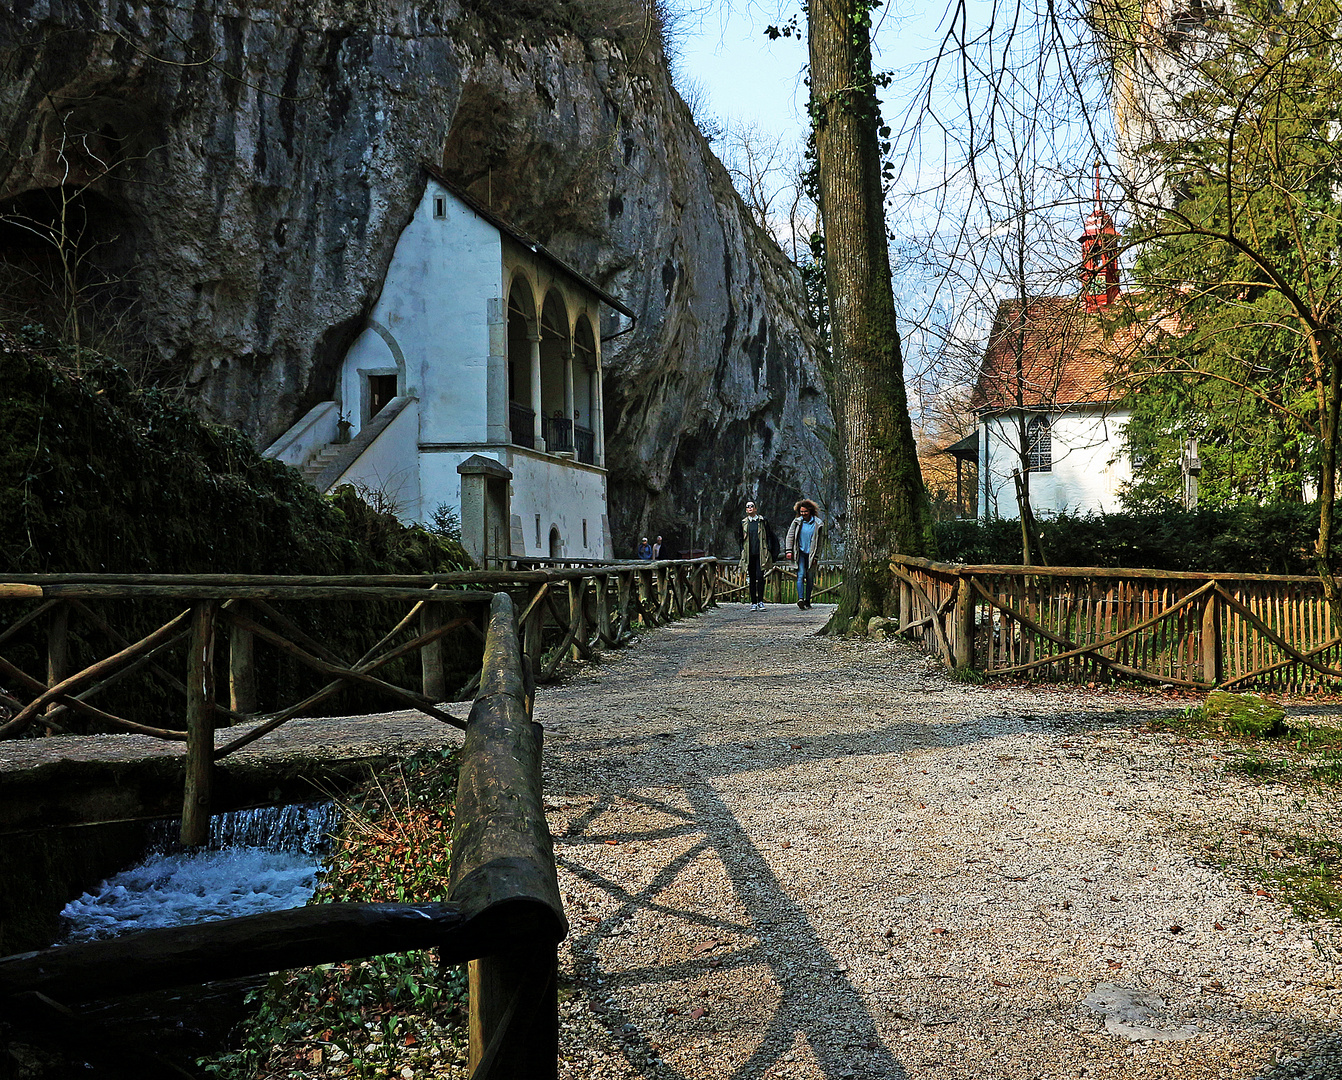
(99, 476)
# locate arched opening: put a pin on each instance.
(586, 392)
(373, 373)
(1039, 445)
(521, 327)
(556, 375)
(556, 546)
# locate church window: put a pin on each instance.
(1039, 445)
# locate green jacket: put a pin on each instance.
(764, 542)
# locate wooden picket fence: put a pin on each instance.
(1082, 624)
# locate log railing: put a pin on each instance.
(504, 916)
(219, 623)
(1094, 623)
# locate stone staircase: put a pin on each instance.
(317, 464)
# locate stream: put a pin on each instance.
(260, 860)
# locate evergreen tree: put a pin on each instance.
(1238, 261)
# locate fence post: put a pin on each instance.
(1211, 640)
(964, 623)
(503, 864)
(624, 584)
(604, 635)
(905, 605)
(431, 655)
(533, 638)
(577, 592)
(58, 650)
(241, 670)
(199, 726)
(645, 595)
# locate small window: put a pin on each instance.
(381, 389)
(584, 532)
(1039, 445)
(538, 530)
(440, 206)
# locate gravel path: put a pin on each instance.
(788, 856)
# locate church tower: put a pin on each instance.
(1099, 255)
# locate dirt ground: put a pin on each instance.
(789, 856)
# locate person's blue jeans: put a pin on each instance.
(804, 576)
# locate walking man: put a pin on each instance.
(805, 540)
(757, 548)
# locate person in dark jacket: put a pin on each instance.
(758, 544)
(644, 549)
(806, 542)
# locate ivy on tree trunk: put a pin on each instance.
(888, 508)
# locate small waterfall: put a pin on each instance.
(257, 860)
(302, 828)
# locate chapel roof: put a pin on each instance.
(528, 242)
(1069, 356)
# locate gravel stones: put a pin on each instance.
(789, 856)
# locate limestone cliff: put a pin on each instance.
(239, 173)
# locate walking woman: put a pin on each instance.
(757, 553)
(805, 540)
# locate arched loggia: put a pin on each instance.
(556, 375)
(586, 392)
(523, 367)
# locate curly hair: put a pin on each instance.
(815, 510)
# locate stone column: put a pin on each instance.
(535, 340)
(568, 392)
(496, 377)
(599, 415)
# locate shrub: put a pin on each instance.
(1244, 539)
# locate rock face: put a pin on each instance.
(238, 175)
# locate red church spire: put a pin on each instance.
(1099, 255)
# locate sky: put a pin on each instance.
(722, 58)
(749, 78)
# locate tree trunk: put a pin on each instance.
(1331, 417)
(888, 509)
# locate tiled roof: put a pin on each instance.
(1068, 356)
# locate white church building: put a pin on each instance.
(1048, 399)
(476, 385)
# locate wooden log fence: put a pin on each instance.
(503, 917)
(221, 620)
(1082, 624)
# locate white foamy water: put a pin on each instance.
(257, 860)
